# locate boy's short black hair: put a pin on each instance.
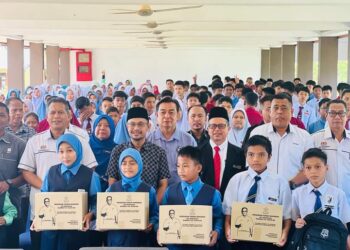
(258, 140)
(228, 85)
(203, 97)
(203, 87)
(251, 99)
(342, 85)
(107, 98)
(289, 86)
(180, 83)
(318, 87)
(137, 98)
(322, 101)
(266, 98)
(186, 83)
(346, 91)
(303, 89)
(311, 82)
(121, 94)
(277, 84)
(246, 90)
(217, 97)
(195, 95)
(195, 86)
(225, 99)
(82, 102)
(257, 83)
(168, 99)
(112, 109)
(148, 95)
(239, 86)
(166, 93)
(191, 152)
(327, 87)
(269, 91)
(314, 152)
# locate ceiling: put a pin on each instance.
(217, 24)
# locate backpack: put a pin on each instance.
(321, 232)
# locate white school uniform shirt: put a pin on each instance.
(223, 155)
(93, 117)
(338, 154)
(303, 201)
(40, 154)
(287, 150)
(308, 115)
(314, 104)
(272, 189)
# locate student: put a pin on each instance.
(31, 120)
(192, 191)
(258, 185)
(130, 168)
(105, 104)
(327, 91)
(318, 194)
(8, 213)
(70, 176)
(303, 111)
(114, 114)
(321, 121)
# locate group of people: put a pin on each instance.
(269, 142)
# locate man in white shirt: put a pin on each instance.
(288, 141)
(40, 152)
(334, 140)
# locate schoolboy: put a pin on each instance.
(258, 185)
(318, 194)
(192, 191)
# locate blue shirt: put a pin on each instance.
(317, 126)
(172, 146)
(308, 115)
(216, 203)
(153, 205)
(95, 185)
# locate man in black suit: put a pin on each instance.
(220, 159)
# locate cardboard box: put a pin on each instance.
(185, 224)
(60, 210)
(122, 210)
(256, 222)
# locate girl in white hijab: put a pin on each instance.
(239, 127)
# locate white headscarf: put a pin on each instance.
(236, 136)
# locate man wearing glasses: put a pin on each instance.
(334, 140)
(220, 159)
(155, 165)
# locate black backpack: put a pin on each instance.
(321, 232)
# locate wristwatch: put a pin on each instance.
(9, 182)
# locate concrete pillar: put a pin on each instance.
(276, 63)
(265, 63)
(328, 61)
(15, 60)
(52, 64)
(288, 62)
(348, 56)
(36, 63)
(64, 77)
(305, 61)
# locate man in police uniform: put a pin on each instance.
(334, 140)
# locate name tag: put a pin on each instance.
(9, 150)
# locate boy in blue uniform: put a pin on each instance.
(258, 185)
(192, 191)
(70, 176)
(130, 168)
(318, 195)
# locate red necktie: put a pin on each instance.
(217, 167)
(88, 126)
(300, 113)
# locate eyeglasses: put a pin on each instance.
(219, 126)
(333, 114)
(133, 124)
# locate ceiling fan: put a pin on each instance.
(150, 25)
(155, 32)
(146, 10)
